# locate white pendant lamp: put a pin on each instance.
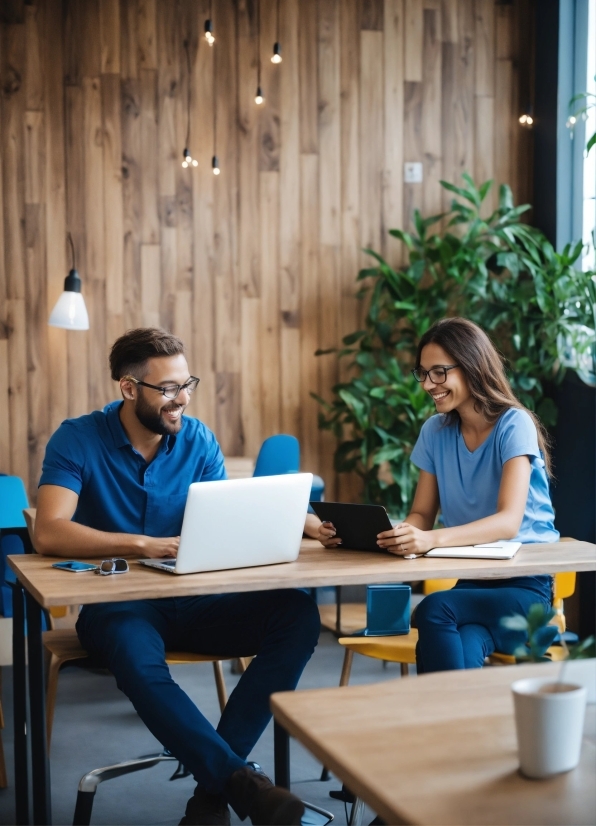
(70, 311)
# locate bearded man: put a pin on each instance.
(114, 484)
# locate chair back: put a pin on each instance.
(13, 498)
(278, 455)
(564, 585)
(429, 586)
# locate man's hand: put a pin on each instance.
(405, 540)
(57, 535)
(156, 547)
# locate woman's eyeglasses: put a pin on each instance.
(438, 375)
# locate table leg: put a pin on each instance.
(40, 768)
(281, 755)
(19, 676)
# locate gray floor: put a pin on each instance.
(95, 725)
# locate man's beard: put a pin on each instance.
(152, 419)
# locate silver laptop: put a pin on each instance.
(240, 523)
(489, 550)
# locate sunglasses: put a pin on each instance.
(112, 566)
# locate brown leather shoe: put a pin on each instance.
(252, 794)
(205, 809)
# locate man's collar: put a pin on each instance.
(112, 413)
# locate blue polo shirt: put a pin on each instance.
(118, 490)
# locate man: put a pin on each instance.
(114, 484)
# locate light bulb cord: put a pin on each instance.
(259, 43)
(188, 69)
(214, 96)
(72, 250)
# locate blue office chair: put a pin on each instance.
(281, 454)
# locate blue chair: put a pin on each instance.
(13, 534)
(281, 454)
(13, 498)
(278, 454)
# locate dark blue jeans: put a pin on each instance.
(460, 627)
(131, 638)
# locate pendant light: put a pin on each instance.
(209, 36)
(214, 160)
(70, 311)
(276, 56)
(187, 159)
(259, 97)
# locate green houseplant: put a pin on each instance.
(496, 271)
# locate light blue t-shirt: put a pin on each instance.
(469, 481)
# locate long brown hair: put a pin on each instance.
(473, 351)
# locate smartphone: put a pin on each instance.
(74, 566)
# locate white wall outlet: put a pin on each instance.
(413, 173)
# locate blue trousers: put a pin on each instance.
(131, 638)
(460, 627)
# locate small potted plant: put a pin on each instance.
(549, 714)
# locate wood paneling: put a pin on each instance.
(256, 268)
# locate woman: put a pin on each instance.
(484, 461)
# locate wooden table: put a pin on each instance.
(41, 586)
(438, 749)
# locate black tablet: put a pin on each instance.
(356, 525)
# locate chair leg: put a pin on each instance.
(83, 809)
(3, 777)
(404, 670)
(343, 680)
(222, 694)
(51, 690)
(346, 668)
(356, 813)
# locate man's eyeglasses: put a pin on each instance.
(171, 391)
(112, 566)
(438, 375)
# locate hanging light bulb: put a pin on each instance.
(215, 165)
(526, 118)
(187, 159)
(209, 37)
(276, 56)
(70, 311)
(259, 97)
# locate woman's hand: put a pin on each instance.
(406, 540)
(326, 535)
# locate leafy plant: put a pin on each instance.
(496, 271)
(579, 106)
(540, 635)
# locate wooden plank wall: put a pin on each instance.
(255, 268)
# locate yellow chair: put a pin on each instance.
(62, 645)
(399, 649)
(564, 587)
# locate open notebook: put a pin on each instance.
(489, 550)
